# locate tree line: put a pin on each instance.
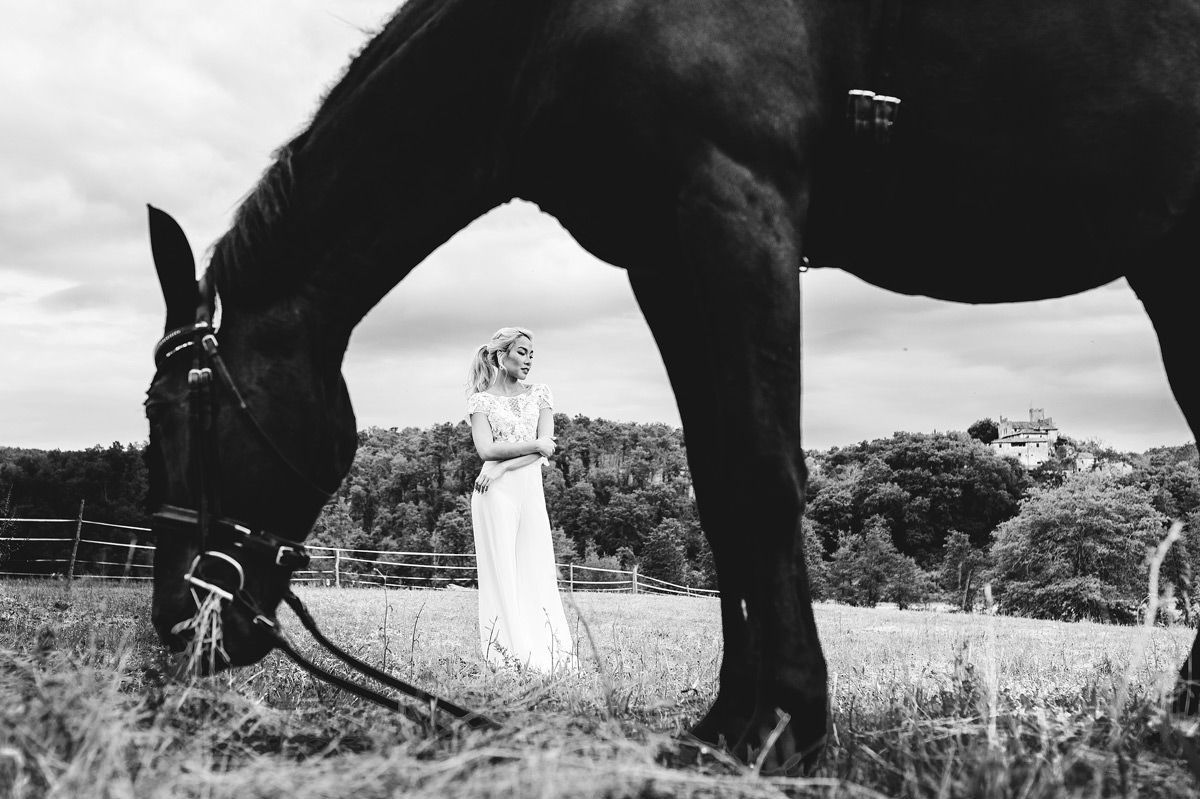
(920, 516)
(904, 519)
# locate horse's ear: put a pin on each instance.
(176, 268)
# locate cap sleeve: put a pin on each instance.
(477, 403)
(544, 398)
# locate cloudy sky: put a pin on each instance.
(110, 104)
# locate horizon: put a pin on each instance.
(141, 443)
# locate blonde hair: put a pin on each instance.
(485, 366)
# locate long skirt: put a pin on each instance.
(521, 619)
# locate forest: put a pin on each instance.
(907, 519)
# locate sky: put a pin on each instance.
(109, 105)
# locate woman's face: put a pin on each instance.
(519, 358)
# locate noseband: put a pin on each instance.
(217, 533)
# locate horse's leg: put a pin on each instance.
(1170, 310)
(726, 318)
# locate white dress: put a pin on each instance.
(521, 619)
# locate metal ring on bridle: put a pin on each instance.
(191, 577)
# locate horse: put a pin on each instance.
(967, 150)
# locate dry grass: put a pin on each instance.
(924, 705)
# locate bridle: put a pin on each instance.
(256, 544)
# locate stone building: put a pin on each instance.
(1032, 442)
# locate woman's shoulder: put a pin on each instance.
(479, 401)
(541, 392)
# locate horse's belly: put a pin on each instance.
(1032, 157)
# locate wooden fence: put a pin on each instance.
(75, 548)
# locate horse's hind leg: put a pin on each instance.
(726, 319)
(1172, 310)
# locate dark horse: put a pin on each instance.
(1041, 148)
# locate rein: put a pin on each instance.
(265, 547)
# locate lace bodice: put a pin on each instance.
(512, 418)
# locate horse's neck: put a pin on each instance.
(401, 155)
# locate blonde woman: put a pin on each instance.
(521, 619)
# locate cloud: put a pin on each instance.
(878, 362)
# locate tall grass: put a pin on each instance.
(923, 705)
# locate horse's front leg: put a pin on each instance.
(726, 317)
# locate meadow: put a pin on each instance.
(925, 704)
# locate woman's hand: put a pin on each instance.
(545, 446)
(490, 473)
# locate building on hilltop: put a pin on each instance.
(1032, 442)
(1087, 462)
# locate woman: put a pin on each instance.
(521, 619)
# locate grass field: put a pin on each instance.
(924, 705)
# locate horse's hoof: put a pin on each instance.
(773, 743)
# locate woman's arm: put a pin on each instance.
(494, 470)
(545, 432)
(545, 428)
(504, 456)
(491, 450)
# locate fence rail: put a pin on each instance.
(26, 555)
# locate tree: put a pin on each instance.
(577, 512)
(625, 523)
(703, 568)
(402, 527)
(908, 583)
(1174, 484)
(862, 567)
(662, 555)
(335, 527)
(962, 570)
(830, 511)
(1180, 572)
(453, 534)
(814, 564)
(564, 547)
(984, 431)
(1077, 551)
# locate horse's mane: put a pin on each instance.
(242, 260)
(251, 260)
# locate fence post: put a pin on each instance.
(75, 546)
(571, 577)
(337, 568)
(129, 557)
(635, 585)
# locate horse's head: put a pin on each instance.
(251, 429)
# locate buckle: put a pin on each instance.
(871, 116)
(199, 377)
